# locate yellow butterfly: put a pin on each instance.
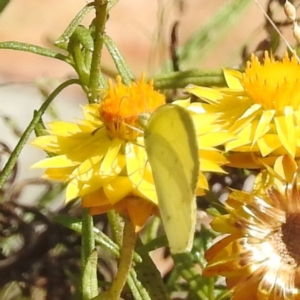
(171, 146)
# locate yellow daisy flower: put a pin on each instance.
(102, 158)
(261, 106)
(260, 256)
(209, 137)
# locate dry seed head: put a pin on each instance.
(276, 28)
(290, 11)
(296, 32)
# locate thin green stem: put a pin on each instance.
(117, 225)
(126, 255)
(96, 78)
(88, 241)
(23, 140)
(90, 289)
(211, 285)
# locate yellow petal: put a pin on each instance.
(210, 95)
(286, 167)
(61, 128)
(59, 161)
(233, 79)
(244, 139)
(263, 125)
(268, 143)
(72, 190)
(183, 103)
(117, 189)
(286, 132)
(88, 168)
(218, 246)
(202, 120)
(211, 140)
(139, 173)
(47, 143)
(112, 163)
(59, 174)
(202, 184)
(210, 162)
(223, 224)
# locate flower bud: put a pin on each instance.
(296, 32)
(290, 11)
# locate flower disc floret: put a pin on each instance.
(122, 107)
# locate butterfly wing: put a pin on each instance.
(171, 146)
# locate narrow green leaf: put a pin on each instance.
(119, 60)
(187, 270)
(63, 40)
(138, 290)
(150, 277)
(33, 49)
(89, 277)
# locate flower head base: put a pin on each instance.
(122, 107)
(260, 257)
(261, 107)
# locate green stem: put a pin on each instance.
(23, 140)
(126, 255)
(96, 78)
(89, 290)
(33, 49)
(211, 285)
(100, 238)
(117, 225)
(88, 241)
(182, 78)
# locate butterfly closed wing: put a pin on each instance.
(171, 146)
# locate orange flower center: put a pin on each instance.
(273, 84)
(122, 107)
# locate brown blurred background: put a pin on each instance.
(141, 29)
